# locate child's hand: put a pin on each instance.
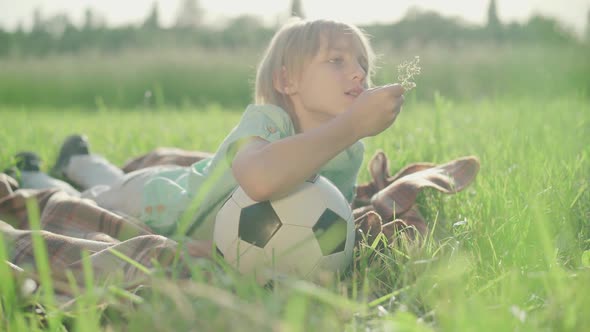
(376, 109)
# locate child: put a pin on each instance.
(314, 102)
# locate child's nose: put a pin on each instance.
(359, 72)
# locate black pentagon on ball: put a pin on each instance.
(258, 224)
(218, 252)
(330, 231)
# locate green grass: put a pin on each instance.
(193, 78)
(509, 253)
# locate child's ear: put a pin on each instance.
(282, 82)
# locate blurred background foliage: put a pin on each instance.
(57, 63)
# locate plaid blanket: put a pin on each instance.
(70, 226)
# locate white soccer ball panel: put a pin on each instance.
(235, 250)
(241, 198)
(334, 198)
(226, 225)
(302, 207)
(254, 261)
(293, 250)
(251, 257)
(339, 260)
(335, 262)
(308, 216)
(350, 236)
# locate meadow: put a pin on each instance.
(510, 253)
(195, 78)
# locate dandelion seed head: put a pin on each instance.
(406, 72)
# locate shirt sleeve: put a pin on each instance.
(268, 122)
(163, 201)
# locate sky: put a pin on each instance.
(572, 13)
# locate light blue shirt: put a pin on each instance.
(190, 197)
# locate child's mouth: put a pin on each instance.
(354, 92)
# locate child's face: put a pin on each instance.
(330, 81)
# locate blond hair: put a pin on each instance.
(297, 42)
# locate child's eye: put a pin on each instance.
(336, 60)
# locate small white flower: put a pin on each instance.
(406, 72)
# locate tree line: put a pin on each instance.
(58, 35)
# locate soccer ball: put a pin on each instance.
(309, 230)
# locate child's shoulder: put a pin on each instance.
(269, 115)
(269, 110)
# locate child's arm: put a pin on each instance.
(265, 169)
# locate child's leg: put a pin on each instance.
(165, 156)
(76, 164)
(124, 196)
(91, 170)
(40, 180)
(27, 170)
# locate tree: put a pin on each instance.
(20, 30)
(93, 20)
(88, 19)
(37, 20)
(494, 26)
(547, 30)
(56, 25)
(153, 20)
(296, 9)
(493, 21)
(588, 27)
(189, 14)
(244, 30)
